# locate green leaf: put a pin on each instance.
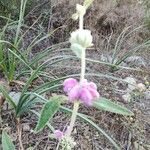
(8, 98)
(7, 144)
(20, 57)
(48, 111)
(48, 125)
(108, 105)
(77, 49)
(25, 88)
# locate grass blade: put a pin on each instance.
(7, 143)
(83, 117)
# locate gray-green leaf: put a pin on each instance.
(108, 105)
(7, 144)
(77, 49)
(49, 109)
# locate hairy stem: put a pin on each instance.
(73, 118)
(83, 65)
(77, 103)
(81, 22)
(19, 131)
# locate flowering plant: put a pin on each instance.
(78, 92)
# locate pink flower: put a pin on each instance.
(93, 89)
(86, 97)
(69, 84)
(93, 85)
(74, 93)
(86, 91)
(58, 134)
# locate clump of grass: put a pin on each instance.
(8, 7)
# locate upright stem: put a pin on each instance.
(73, 118)
(83, 65)
(19, 130)
(81, 22)
(77, 103)
(83, 52)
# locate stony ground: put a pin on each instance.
(106, 21)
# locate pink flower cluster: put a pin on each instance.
(86, 91)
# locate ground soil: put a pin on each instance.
(105, 20)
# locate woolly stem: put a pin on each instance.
(77, 103)
(73, 118)
(81, 22)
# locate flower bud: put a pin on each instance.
(58, 134)
(81, 37)
(69, 84)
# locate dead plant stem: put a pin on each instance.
(19, 131)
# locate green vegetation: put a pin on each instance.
(36, 58)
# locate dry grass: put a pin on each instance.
(104, 18)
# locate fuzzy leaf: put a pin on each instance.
(77, 49)
(108, 105)
(48, 111)
(7, 144)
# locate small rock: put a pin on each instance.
(141, 87)
(131, 84)
(147, 95)
(5, 106)
(74, 131)
(15, 96)
(126, 97)
(106, 58)
(26, 127)
(136, 61)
